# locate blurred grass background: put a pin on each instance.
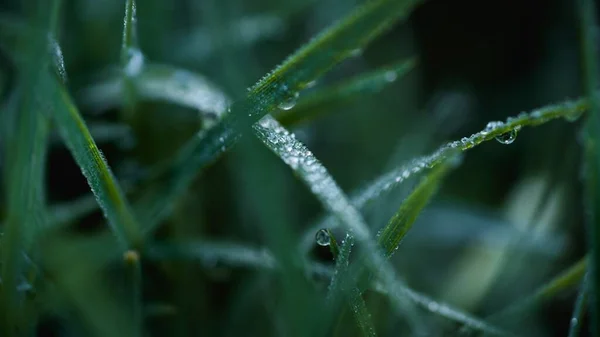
(508, 219)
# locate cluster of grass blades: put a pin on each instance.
(96, 283)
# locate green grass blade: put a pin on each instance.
(352, 293)
(25, 218)
(134, 273)
(280, 86)
(388, 181)
(588, 27)
(579, 310)
(325, 99)
(361, 313)
(393, 233)
(94, 167)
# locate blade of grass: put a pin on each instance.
(390, 180)
(94, 167)
(160, 82)
(352, 293)
(579, 309)
(588, 27)
(444, 310)
(280, 86)
(392, 234)
(26, 149)
(132, 59)
(211, 254)
(565, 280)
(322, 185)
(325, 99)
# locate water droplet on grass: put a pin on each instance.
(508, 137)
(289, 102)
(322, 237)
(135, 62)
(390, 76)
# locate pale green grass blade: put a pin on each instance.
(211, 254)
(569, 110)
(132, 59)
(164, 83)
(567, 279)
(392, 234)
(328, 98)
(444, 310)
(94, 167)
(589, 60)
(278, 87)
(579, 309)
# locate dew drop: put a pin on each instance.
(135, 62)
(356, 52)
(289, 102)
(322, 237)
(390, 76)
(508, 137)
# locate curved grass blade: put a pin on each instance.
(565, 280)
(393, 233)
(211, 254)
(280, 86)
(388, 181)
(589, 58)
(342, 94)
(160, 82)
(579, 309)
(94, 167)
(444, 310)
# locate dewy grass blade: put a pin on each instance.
(589, 61)
(95, 168)
(444, 310)
(322, 185)
(393, 233)
(493, 130)
(278, 88)
(341, 94)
